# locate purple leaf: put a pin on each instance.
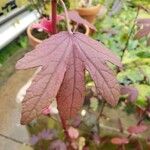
(58, 145)
(74, 16)
(34, 140)
(131, 92)
(63, 59)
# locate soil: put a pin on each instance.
(11, 82)
(81, 29)
(43, 35)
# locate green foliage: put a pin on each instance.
(42, 6)
(144, 91)
(141, 2)
(60, 8)
(22, 41)
(13, 47)
(130, 108)
(113, 31)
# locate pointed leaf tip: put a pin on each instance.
(74, 16)
(63, 59)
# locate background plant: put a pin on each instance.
(117, 36)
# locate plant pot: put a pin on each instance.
(33, 41)
(89, 13)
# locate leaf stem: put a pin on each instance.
(36, 7)
(54, 16)
(67, 17)
(130, 34)
(101, 110)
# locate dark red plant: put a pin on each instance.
(131, 92)
(144, 29)
(63, 59)
(46, 24)
(74, 16)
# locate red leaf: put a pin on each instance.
(130, 91)
(119, 140)
(144, 28)
(63, 58)
(137, 129)
(70, 97)
(74, 16)
(142, 32)
(141, 22)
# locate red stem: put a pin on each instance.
(54, 16)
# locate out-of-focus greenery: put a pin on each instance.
(13, 47)
(113, 31)
(2, 3)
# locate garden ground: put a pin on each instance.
(10, 109)
(10, 84)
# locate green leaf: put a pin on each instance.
(144, 91)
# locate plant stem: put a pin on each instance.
(120, 126)
(54, 16)
(130, 34)
(101, 111)
(36, 7)
(44, 5)
(142, 117)
(67, 17)
(140, 120)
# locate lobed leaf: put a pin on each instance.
(70, 97)
(63, 59)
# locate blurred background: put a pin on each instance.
(117, 29)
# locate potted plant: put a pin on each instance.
(88, 9)
(43, 29)
(62, 60)
(37, 32)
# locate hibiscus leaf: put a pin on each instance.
(74, 16)
(63, 58)
(70, 97)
